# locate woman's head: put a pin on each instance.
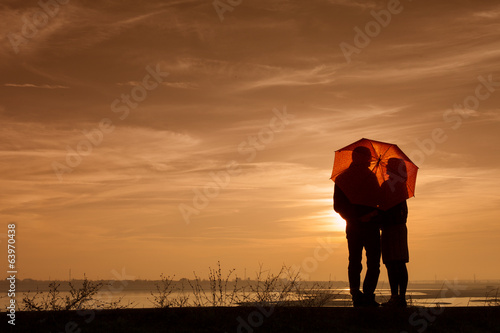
(396, 167)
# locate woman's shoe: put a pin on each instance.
(393, 302)
(402, 302)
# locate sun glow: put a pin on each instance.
(337, 221)
(332, 220)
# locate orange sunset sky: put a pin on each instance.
(118, 117)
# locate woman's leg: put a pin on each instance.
(392, 274)
(402, 282)
(403, 279)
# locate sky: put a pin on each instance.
(165, 136)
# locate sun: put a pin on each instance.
(331, 221)
(338, 223)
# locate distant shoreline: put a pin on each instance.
(24, 285)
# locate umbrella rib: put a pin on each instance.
(373, 146)
(385, 152)
(376, 164)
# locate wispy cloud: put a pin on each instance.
(356, 3)
(31, 85)
(321, 75)
(491, 14)
(181, 85)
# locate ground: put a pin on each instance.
(254, 319)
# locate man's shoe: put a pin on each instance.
(370, 301)
(358, 299)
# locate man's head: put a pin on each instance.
(361, 156)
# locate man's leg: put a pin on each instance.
(355, 246)
(372, 246)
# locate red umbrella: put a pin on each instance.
(374, 173)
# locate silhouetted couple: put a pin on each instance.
(363, 225)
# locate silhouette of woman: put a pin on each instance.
(394, 238)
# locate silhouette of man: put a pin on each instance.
(362, 229)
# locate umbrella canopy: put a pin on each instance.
(374, 173)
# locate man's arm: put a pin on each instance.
(349, 211)
(342, 205)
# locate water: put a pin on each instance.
(144, 299)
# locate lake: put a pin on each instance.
(416, 297)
